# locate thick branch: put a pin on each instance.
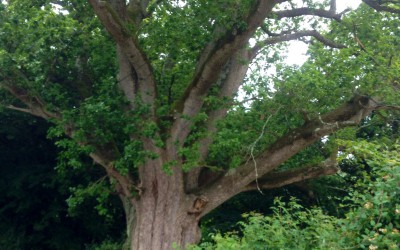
(35, 106)
(332, 6)
(280, 179)
(116, 20)
(124, 183)
(379, 6)
(307, 12)
(105, 156)
(211, 63)
(296, 35)
(236, 72)
(140, 9)
(127, 77)
(350, 114)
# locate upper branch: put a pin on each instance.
(380, 5)
(235, 73)
(332, 6)
(211, 62)
(331, 13)
(293, 36)
(141, 9)
(116, 19)
(350, 114)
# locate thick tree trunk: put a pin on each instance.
(163, 225)
(164, 214)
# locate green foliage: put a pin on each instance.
(375, 219)
(372, 222)
(105, 245)
(290, 227)
(69, 61)
(34, 213)
(51, 55)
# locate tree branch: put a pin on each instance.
(102, 155)
(379, 6)
(35, 106)
(211, 63)
(350, 114)
(124, 183)
(127, 77)
(332, 6)
(141, 9)
(236, 72)
(116, 19)
(296, 35)
(280, 179)
(105, 156)
(331, 14)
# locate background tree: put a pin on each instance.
(34, 214)
(149, 101)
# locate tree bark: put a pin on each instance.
(163, 223)
(164, 214)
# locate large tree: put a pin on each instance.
(152, 101)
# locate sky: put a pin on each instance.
(297, 50)
(296, 53)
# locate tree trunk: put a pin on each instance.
(163, 225)
(164, 214)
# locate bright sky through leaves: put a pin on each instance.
(297, 50)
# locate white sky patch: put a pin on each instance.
(325, 139)
(341, 5)
(297, 50)
(59, 9)
(296, 53)
(350, 157)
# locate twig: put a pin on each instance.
(253, 145)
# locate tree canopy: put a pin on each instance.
(177, 102)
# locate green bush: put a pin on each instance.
(372, 221)
(106, 245)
